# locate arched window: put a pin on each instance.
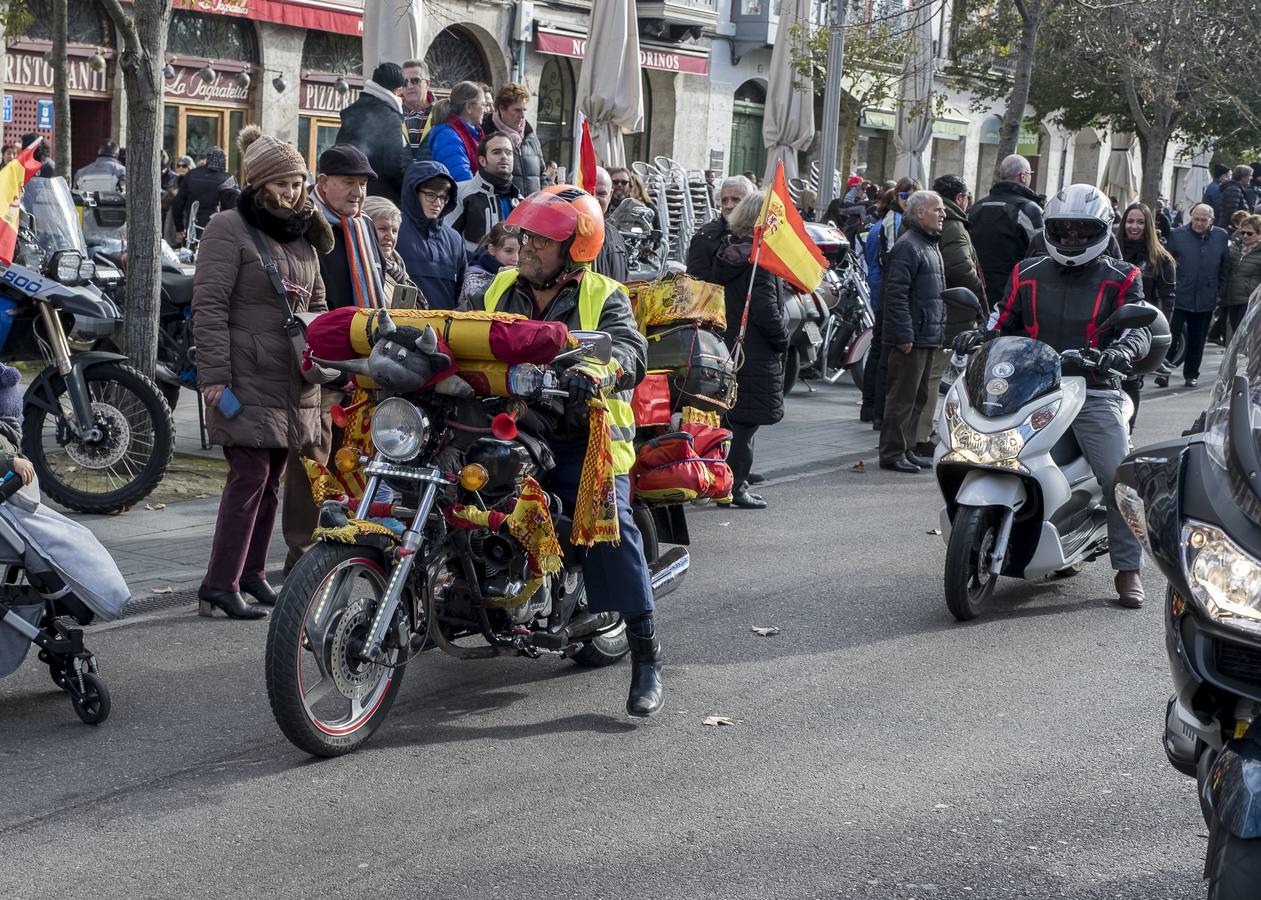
(84, 26)
(455, 56)
(556, 111)
(211, 37)
(324, 51)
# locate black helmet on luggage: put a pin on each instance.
(1162, 339)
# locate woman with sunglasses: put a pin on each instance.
(1245, 270)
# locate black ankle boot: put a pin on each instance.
(646, 691)
(228, 601)
(261, 591)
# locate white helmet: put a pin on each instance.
(1077, 225)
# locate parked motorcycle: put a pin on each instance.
(1020, 498)
(367, 600)
(1194, 503)
(847, 330)
(804, 315)
(96, 430)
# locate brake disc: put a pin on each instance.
(110, 449)
(354, 677)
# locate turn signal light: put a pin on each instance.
(347, 460)
(473, 477)
(504, 427)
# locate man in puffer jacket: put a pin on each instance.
(1236, 196)
(432, 250)
(1004, 223)
(914, 328)
(508, 118)
(374, 124)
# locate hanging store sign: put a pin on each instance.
(28, 70)
(222, 91)
(665, 57)
(340, 16)
(320, 95)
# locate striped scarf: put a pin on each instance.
(361, 254)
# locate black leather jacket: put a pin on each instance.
(1064, 307)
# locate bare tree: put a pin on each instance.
(142, 30)
(61, 89)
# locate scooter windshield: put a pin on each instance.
(1232, 431)
(50, 204)
(1008, 372)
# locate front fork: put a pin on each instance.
(81, 421)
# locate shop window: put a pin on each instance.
(454, 56)
(193, 130)
(555, 100)
(315, 135)
(211, 37)
(324, 51)
(84, 25)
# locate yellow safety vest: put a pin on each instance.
(593, 291)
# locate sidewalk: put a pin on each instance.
(167, 548)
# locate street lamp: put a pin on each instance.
(97, 61)
(279, 83)
(207, 73)
(243, 80)
(341, 85)
(168, 71)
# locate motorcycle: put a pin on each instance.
(97, 431)
(804, 315)
(1194, 503)
(847, 330)
(361, 605)
(1020, 498)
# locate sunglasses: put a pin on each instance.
(414, 81)
(1249, 233)
(902, 195)
(621, 181)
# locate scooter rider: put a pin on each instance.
(562, 230)
(1061, 299)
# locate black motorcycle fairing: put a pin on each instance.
(1233, 788)
(1156, 475)
(1007, 372)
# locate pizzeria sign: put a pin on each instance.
(651, 56)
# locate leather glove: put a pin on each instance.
(1113, 360)
(967, 341)
(581, 387)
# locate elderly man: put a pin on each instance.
(1202, 252)
(914, 328)
(1004, 223)
(703, 250)
(490, 197)
(417, 102)
(612, 260)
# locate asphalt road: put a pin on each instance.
(879, 749)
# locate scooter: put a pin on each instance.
(1194, 503)
(1020, 498)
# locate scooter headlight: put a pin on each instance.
(999, 448)
(1224, 579)
(398, 429)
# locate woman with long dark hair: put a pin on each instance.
(1142, 247)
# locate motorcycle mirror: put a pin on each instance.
(962, 298)
(596, 346)
(1132, 315)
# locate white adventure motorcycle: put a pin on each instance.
(1021, 499)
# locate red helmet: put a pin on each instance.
(563, 212)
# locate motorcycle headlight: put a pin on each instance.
(87, 270)
(1224, 579)
(1134, 511)
(398, 429)
(65, 266)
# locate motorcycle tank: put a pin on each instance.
(50, 204)
(1008, 372)
(1228, 457)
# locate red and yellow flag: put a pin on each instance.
(13, 178)
(584, 166)
(780, 236)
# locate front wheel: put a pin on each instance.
(1234, 869)
(122, 463)
(792, 368)
(327, 699)
(969, 582)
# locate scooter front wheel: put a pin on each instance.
(1234, 869)
(969, 582)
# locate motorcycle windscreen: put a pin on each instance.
(50, 204)
(1008, 372)
(1232, 422)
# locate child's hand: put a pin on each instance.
(25, 470)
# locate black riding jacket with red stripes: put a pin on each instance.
(1065, 307)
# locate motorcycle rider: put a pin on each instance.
(1061, 299)
(562, 231)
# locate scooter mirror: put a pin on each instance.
(962, 298)
(597, 346)
(1132, 315)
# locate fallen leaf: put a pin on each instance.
(155, 506)
(203, 496)
(767, 631)
(723, 524)
(715, 721)
(933, 531)
(164, 590)
(859, 466)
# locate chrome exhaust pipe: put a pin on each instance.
(668, 571)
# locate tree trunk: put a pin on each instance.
(1013, 117)
(1154, 145)
(61, 91)
(845, 164)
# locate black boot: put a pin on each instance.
(228, 601)
(261, 591)
(646, 691)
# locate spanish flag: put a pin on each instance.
(780, 242)
(584, 165)
(13, 178)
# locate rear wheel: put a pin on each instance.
(792, 368)
(836, 337)
(857, 371)
(969, 582)
(604, 648)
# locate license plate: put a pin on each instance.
(812, 332)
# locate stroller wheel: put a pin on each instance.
(56, 670)
(93, 706)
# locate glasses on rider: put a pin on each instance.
(537, 241)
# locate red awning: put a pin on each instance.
(340, 16)
(666, 57)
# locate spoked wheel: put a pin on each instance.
(117, 466)
(836, 335)
(92, 705)
(328, 699)
(969, 582)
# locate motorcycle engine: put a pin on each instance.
(501, 565)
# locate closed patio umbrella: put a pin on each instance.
(391, 32)
(1191, 191)
(1121, 178)
(609, 87)
(788, 124)
(914, 128)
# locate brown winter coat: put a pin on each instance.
(238, 329)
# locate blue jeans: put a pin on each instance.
(616, 575)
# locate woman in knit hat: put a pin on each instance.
(258, 405)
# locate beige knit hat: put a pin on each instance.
(266, 158)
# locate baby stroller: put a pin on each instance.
(46, 603)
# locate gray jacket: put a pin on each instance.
(105, 173)
(914, 279)
(1203, 267)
